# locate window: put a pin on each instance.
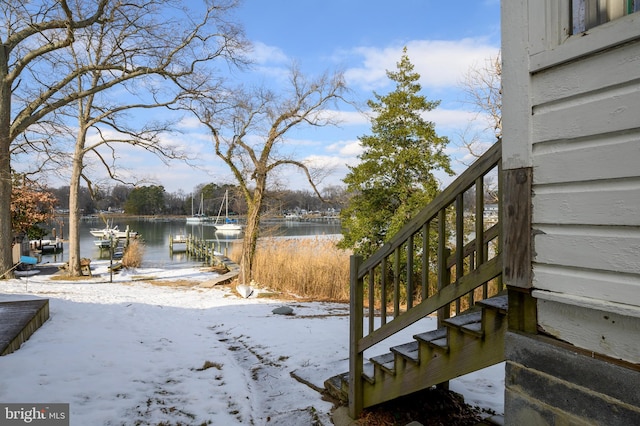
(590, 13)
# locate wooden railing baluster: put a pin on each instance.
(410, 284)
(396, 282)
(477, 267)
(372, 301)
(383, 292)
(425, 260)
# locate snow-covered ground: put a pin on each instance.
(135, 353)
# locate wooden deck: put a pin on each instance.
(234, 271)
(19, 320)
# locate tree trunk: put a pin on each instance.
(74, 207)
(6, 231)
(250, 240)
(74, 225)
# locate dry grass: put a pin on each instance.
(132, 257)
(306, 267)
(64, 276)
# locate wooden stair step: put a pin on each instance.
(386, 362)
(435, 338)
(474, 328)
(464, 319)
(469, 322)
(368, 372)
(337, 386)
(409, 351)
(498, 303)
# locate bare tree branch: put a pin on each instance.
(258, 122)
(483, 91)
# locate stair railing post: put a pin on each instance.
(356, 358)
(444, 274)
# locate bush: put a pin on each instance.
(132, 257)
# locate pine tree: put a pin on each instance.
(396, 176)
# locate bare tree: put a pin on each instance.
(119, 39)
(248, 130)
(36, 80)
(28, 34)
(482, 88)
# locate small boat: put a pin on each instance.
(113, 231)
(198, 217)
(102, 243)
(115, 267)
(229, 225)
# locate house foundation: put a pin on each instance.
(548, 382)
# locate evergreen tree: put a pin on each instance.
(145, 200)
(395, 178)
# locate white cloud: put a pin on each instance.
(455, 119)
(440, 63)
(189, 122)
(265, 54)
(351, 148)
(349, 118)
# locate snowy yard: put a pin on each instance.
(133, 353)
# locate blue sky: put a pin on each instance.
(363, 38)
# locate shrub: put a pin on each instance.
(132, 257)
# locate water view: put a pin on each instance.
(155, 234)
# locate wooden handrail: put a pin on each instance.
(463, 182)
(465, 261)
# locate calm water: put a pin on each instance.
(155, 235)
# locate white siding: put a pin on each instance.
(574, 117)
(604, 333)
(586, 180)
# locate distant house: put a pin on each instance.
(490, 212)
(571, 171)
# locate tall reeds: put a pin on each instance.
(132, 257)
(309, 268)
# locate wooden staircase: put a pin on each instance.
(466, 343)
(445, 262)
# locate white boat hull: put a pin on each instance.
(113, 232)
(229, 227)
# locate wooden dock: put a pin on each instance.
(207, 251)
(19, 320)
(232, 267)
(46, 246)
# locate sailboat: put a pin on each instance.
(200, 216)
(228, 225)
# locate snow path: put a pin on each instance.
(132, 353)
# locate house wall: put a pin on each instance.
(571, 116)
(586, 196)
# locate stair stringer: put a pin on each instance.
(465, 352)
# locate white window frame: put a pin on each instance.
(553, 42)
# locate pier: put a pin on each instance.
(212, 252)
(48, 246)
